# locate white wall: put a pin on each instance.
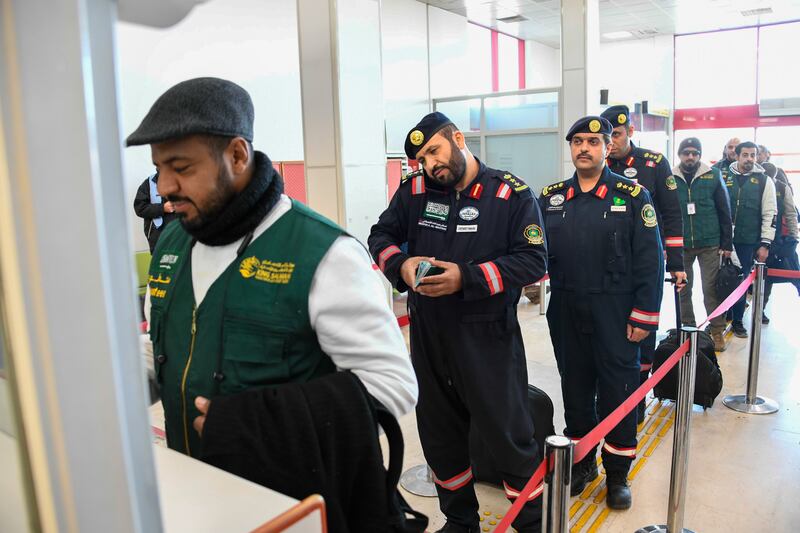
(542, 65)
(449, 57)
(636, 70)
(250, 42)
(404, 36)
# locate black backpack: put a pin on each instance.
(402, 518)
(729, 277)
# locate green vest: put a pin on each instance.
(745, 193)
(251, 330)
(724, 166)
(702, 228)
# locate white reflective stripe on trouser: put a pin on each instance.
(455, 482)
(624, 452)
(513, 494)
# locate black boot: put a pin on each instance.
(619, 494)
(450, 527)
(582, 474)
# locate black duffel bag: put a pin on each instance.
(541, 408)
(707, 376)
(728, 278)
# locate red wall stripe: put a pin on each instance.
(495, 62)
(743, 116)
(521, 56)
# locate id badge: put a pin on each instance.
(690, 208)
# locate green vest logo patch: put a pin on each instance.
(266, 270)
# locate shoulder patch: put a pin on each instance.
(516, 184)
(655, 156)
(410, 176)
(550, 189)
(629, 188)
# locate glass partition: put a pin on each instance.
(522, 111)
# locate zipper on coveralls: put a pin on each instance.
(183, 382)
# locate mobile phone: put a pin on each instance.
(425, 269)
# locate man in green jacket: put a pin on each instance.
(728, 157)
(754, 211)
(707, 230)
(251, 289)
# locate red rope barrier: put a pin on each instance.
(778, 273)
(593, 438)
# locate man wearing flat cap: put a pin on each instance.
(251, 289)
(652, 171)
(707, 230)
(481, 227)
(606, 272)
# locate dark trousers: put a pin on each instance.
(599, 367)
(472, 368)
(745, 253)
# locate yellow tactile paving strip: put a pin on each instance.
(588, 511)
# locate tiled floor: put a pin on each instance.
(744, 469)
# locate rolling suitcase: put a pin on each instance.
(541, 407)
(708, 377)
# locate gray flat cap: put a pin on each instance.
(210, 106)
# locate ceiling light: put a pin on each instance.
(758, 11)
(513, 18)
(617, 35)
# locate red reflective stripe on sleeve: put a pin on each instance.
(386, 254)
(493, 278)
(674, 241)
(644, 317)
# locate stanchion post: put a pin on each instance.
(680, 439)
(750, 402)
(558, 453)
(542, 296)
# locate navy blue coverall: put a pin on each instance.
(652, 171)
(606, 271)
(467, 347)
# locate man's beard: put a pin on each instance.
(217, 200)
(746, 167)
(691, 168)
(457, 167)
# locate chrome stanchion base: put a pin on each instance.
(762, 406)
(659, 529)
(418, 480)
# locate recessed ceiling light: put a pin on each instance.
(754, 12)
(513, 18)
(617, 35)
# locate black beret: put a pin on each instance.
(590, 124)
(422, 132)
(690, 142)
(617, 115)
(209, 106)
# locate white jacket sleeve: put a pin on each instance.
(348, 310)
(790, 213)
(769, 212)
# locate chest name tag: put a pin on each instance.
(432, 224)
(619, 208)
(690, 209)
(462, 228)
(436, 211)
